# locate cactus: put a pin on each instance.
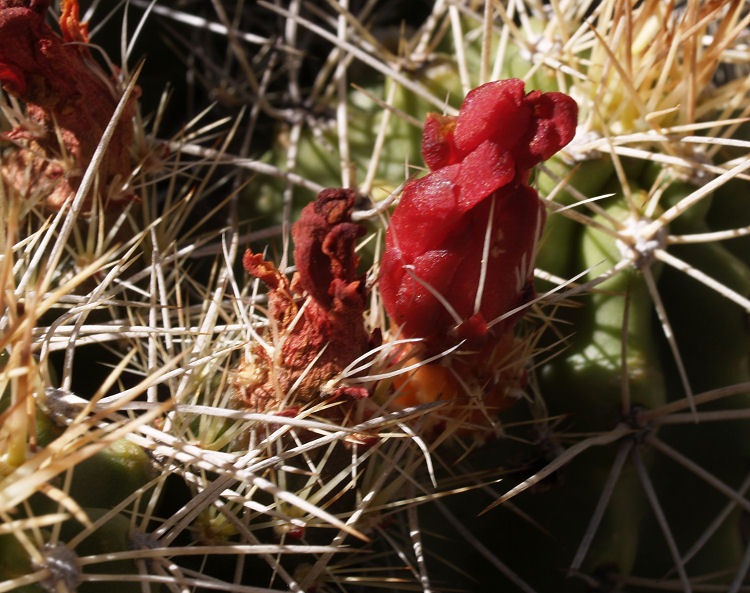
(210, 376)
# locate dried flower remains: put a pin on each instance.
(69, 102)
(316, 321)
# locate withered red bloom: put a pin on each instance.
(475, 202)
(324, 242)
(315, 339)
(69, 103)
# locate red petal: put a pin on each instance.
(493, 111)
(427, 212)
(517, 223)
(436, 240)
(553, 126)
(438, 147)
(485, 169)
(453, 270)
(416, 309)
(390, 274)
(12, 79)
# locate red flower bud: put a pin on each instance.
(436, 282)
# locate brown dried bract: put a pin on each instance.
(313, 339)
(69, 102)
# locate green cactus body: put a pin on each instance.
(558, 250)
(715, 345)
(15, 562)
(592, 365)
(730, 209)
(586, 383)
(112, 474)
(115, 535)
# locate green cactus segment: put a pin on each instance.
(618, 537)
(590, 377)
(591, 369)
(714, 345)
(713, 335)
(104, 479)
(14, 561)
(613, 325)
(586, 382)
(558, 251)
(730, 209)
(607, 309)
(108, 477)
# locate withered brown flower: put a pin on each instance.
(69, 101)
(313, 338)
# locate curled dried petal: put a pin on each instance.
(324, 239)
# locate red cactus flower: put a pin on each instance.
(460, 246)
